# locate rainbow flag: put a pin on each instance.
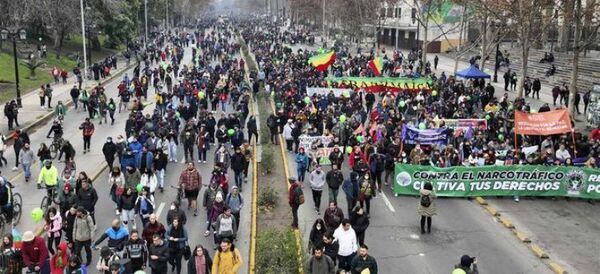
(376, 65)
(322, 61)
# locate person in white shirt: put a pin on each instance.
(562, 153)
(346, 238)
(317, 181)
(287, 134)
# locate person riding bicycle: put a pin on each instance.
(57, 129)
(48, 176)
(60, 110)
(6, 200)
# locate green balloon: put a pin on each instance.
(500, 137)
(37, 214)
(342, 118)
(139, 188)
(422, 126)
(348, 150)
(230, 132)
(434, 93)
(307, 100)
(487, 117)
(402, 103)
(177, 114)
(360, 138)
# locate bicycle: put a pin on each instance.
(47, 201)
(16, 216)
(180, 193)
(56, 145)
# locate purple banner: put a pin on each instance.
(438, 136)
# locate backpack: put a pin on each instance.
(299, 197)
(425, 200)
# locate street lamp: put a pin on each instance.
(15, 34)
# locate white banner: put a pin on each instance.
(324, 91)
(306, 141)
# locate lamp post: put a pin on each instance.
(15, 34)
(497, 63)
(85, 62)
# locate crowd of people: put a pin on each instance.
(364, 130)
(186, 97)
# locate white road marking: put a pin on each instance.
(415, 236)
(160, 209)
(387, 202)
(421, 254)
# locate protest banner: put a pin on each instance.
(306, 141)
(464, 123)
(379, 84)
(521, 180)
(544, 123)
(411, 135)
(338, 92)
(323, 155)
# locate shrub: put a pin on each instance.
(268, 198)
(267, 163)
(276, 252)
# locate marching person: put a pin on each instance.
(88, 129)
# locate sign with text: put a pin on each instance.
(521, 180)
(544, 123)
(337, 92)
(306, 141)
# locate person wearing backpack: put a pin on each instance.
(295, 199)
(426, 207)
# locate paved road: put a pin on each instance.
(92, 163)
(461, 227)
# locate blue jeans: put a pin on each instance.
(333, 193)
(27, 170)
(239, 179)
(301, 172)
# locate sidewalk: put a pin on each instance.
(31, 113)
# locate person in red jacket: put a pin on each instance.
(59, 261)
(35, 253)
(88, 130)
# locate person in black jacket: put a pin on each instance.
(176, 213)
(109, 150)
(199, 251)
(160, 165)
(159, 255)
(87, 198)
(363, 261)
(360, 222)
(334, 179)
(330, 247)
(237, 165)
(252, 129)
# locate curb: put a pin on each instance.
(557, 268)
(522, 237)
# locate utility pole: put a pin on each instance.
(323, 19)
(146, 23)
(85, 63)
(167, 14)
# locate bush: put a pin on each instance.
(268, 198)
(276, 252)
(267, 163)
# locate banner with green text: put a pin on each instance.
(530, 180)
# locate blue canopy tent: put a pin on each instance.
(472, 73)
